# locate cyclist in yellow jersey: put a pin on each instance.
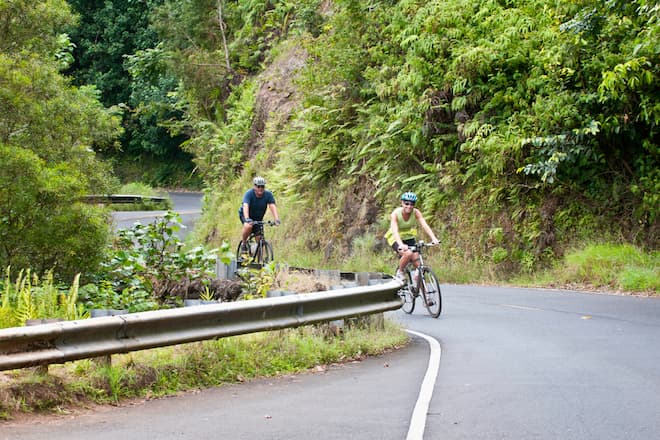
(403, 231)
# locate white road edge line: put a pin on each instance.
(418, 419)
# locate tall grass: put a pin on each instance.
(138, 188)
(622, 267)
(616, 267)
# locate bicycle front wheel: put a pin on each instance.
(430, 290)
(264, 254)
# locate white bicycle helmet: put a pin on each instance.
(259, 181)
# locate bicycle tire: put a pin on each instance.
(266, 252)
(430, 290)
(263, 254)
(257, 253)
(407, 296)
(408, 300)
(239, 256)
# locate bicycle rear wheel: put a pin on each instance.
(430, 290)
(407, 296)
(408, 299)
(240, 256)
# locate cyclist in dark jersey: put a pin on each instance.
(255, 202)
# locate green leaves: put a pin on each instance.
(145, 258)
(47, 130)
(554, 150)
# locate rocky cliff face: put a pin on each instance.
(276, 97)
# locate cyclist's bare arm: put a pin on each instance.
(425, 226)
(273, 210)
(394, 225)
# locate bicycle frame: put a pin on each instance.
(259, 250)
(411, 268)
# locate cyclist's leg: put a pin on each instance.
(242, 249)
(414, 259)
(257, 235)
(406, 256)
(399, 270)
(247, 227)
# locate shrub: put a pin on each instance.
(145, 261)
(30, 297)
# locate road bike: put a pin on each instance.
(421, 281)
(259, 250)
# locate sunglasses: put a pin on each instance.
(409, 203)
(260, 186)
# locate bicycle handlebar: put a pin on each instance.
(260, 222)
(421, 244)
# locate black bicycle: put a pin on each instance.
(257, 249)
(421, 281)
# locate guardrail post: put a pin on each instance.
(226, 271)
(103, 361)
(376, 320)
(332, 277)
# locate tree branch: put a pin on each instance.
(222, 31)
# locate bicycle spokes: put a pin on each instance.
(431, 292)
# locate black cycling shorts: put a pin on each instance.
(256, 229)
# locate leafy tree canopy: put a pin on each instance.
(48, 129)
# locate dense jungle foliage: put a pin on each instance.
(106, 37)
(526, 127)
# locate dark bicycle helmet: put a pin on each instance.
(409, 197)
(259, 181)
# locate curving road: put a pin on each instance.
(515, 364)
(187, 204)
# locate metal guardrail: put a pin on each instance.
(72, 340)
(121, 198)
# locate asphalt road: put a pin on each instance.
(545, 364)
(187, 204)
(515, 364)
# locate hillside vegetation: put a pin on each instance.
(527, 129)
